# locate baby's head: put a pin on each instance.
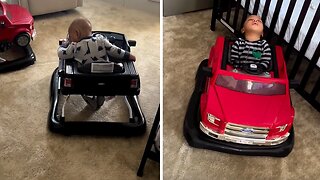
(79, 29)
(253, 26)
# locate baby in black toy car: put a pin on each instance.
(86, 47)
(252, 51)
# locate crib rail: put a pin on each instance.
(232, 14)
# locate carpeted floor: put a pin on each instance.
(187, 41)
(30, 151)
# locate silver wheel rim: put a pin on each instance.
(23, 40)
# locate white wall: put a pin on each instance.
(172, 7)
(151, 6)
(11, 1)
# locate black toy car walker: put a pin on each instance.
(28, 59)
(69, 79)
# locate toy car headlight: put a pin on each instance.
(212, 119)
(282, 128)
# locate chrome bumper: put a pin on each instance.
(242, 140)
(33, 35)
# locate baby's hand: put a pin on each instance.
(63, 42)
(132, 57)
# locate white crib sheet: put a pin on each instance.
(292, 23)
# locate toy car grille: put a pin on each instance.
(246, 131)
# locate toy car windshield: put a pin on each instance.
(7, 12)
(250, 86)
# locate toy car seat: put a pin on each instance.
(97, 80)
(250, 69)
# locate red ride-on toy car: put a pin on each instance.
(16, 29)
(16, 25)
(240, 111)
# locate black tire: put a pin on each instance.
(23, 39)
(4, 46)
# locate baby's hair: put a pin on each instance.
(81, 24)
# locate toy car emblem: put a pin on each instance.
(247, 130)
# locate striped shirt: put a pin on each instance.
(246, 52)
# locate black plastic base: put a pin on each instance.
(135, 125)
(196, 138)
(20, 63)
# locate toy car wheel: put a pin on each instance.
(23, 39)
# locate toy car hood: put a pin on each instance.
(19, 15)
(258, 111)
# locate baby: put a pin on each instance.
(252, 49)
(86, 47)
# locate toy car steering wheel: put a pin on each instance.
(112, 39)
(253, 69)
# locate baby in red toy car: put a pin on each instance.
(86, 47)
(251, 51)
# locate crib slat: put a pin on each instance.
(306, 43)
(311, 66)
(265, 11)
(229, 11)
(315, 90)
(214, 15)
(245, 12)
(274, 20)
(236, 13)
(256, 7)
(286, 20)
(297, 28)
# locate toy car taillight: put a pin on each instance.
(67, 82)
(134, 83)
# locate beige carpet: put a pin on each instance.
(30, 151)
(187, 41)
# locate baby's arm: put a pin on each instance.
(66, 52)
(117, 52)
(266, 57)
(235, 55)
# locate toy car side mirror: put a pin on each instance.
(132, 43)
(293, 83)
(207, 71)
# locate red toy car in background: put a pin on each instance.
(242, 111)
(16, 25)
